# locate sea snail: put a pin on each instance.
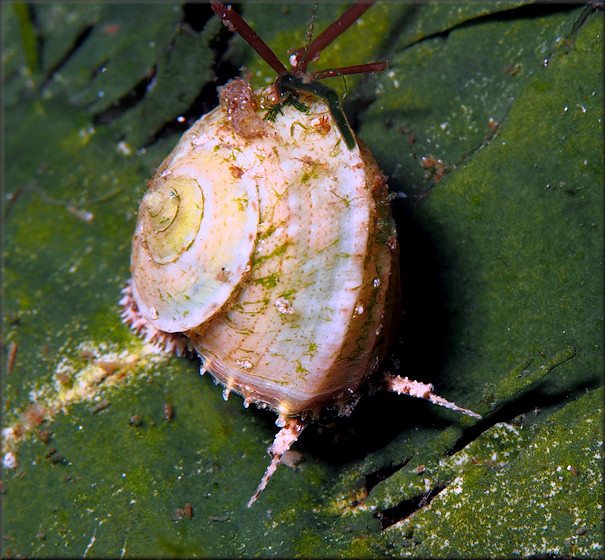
(267, 247)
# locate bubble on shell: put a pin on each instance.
(284, 306)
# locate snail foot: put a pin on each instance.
(405, 386)
(170, 343)
(283, 441)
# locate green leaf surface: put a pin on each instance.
(488, 123)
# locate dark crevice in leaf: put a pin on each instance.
(375, 422)
(383, 473)
(423, 329)
(515, 411)
(202, 104)
(492, 132)
(518, 396)
(197, 15)
(406, 508)
(207, 99)
(527, 12)
(362, 101)
(194, 20)
(356, 108)
(77, 43)
(570, 39)
(521, 410)
(126, 102)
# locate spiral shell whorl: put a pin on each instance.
(172, 214)
(196, 232)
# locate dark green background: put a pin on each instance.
(501, 263)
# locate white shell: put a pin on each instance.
(283, 289)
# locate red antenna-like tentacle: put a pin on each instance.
(236, 23)
(329, 34)
(358, 69)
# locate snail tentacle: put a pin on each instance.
(405, 386)
(283, 441)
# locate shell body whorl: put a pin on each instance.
(269, 244)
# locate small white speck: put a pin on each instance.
(284, 306)
(359, 309)
(124, 148)
(180, 119)
(10, 460)
(376, 282)
(153, 313)
(123, 475)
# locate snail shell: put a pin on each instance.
(270, 245)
